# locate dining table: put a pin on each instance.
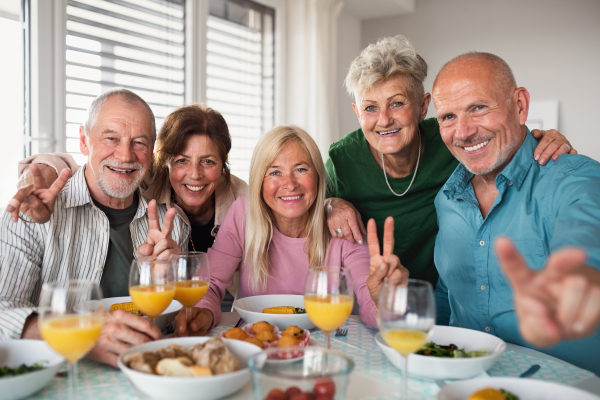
(373, 378)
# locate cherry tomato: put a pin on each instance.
(292, 391)
(325, 386)
(278, 393)
(301, 396)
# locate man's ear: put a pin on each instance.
(83, 141)
(522, 103)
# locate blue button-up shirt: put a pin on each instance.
(542, 209)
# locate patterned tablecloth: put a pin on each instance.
(372, 369)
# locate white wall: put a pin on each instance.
(553, 47)
(349, 46)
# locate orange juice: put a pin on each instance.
(328, 312)
(72, 336)
(405, 341)
(189, 293)
(152, 300)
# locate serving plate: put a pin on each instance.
(250, 308)
(450, 368)
(190, 388)
(13, 353)
(525, 389)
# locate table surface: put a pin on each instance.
(374, 376)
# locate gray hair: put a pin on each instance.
(390, 56)
(125, 94)
(504, 76)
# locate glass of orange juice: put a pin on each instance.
(151, 285)
(71, 316)
(406, 317)
(193, 278)
(328, 298)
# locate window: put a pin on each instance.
(240, 74)
(11, 101)
(136, 44)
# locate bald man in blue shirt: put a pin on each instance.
(542, 286)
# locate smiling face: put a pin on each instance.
(290, 187)
(119, 149)
(481, 117)
(389, 114)
(195, 173)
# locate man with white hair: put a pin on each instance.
(97, 221)
(543, 285)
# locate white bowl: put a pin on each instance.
(162, 321)
(450, 368)
(525, 389)
(250, 308)
(183, 388)
(13, 353)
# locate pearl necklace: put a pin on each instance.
(413, 178)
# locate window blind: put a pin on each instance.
(240, 74)
(135, 44)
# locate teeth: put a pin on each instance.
(121, 170)
(195, 188)
(477, 146)
(291, 198)
(388, 132)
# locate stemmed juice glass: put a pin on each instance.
(406, 317)
(328, 298)
(151, 285)
(71, 316)
(193, 278)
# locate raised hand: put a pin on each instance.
(342, 215)
(551, 145)
(199, 324)
(159, 242)
(386, 265)
(559, 302)
(37, 194)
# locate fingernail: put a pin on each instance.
(543, 160)
(13, 219)
(360, 242)
(536, 157)
(578, 327)
(382, 267)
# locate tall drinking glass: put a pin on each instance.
(193, 278)
(406, 316)
(328, 298)
(151, 285)
(71, 316)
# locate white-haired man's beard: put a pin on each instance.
(120, 188)
(503, 155)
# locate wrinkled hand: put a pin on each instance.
(560, 302)
(158, 242)
(199, 324)
(38, 190)
(342, 215)
(552, 144)
(120, 332)
(386, 265)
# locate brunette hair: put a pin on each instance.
(195, 119)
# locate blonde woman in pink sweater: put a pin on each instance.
(278, 231)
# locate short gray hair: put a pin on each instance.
(125, 94)
(390, 56)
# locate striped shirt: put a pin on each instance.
(72, 245)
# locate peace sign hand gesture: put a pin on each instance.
(386, 265)
(158, 242)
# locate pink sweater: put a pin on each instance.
(289, 263)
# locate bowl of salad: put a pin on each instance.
(26, 366)
(452, 353)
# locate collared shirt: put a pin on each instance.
(72, 245)
(541, 209)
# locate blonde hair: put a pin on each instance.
(259, 222)
(389, 57)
